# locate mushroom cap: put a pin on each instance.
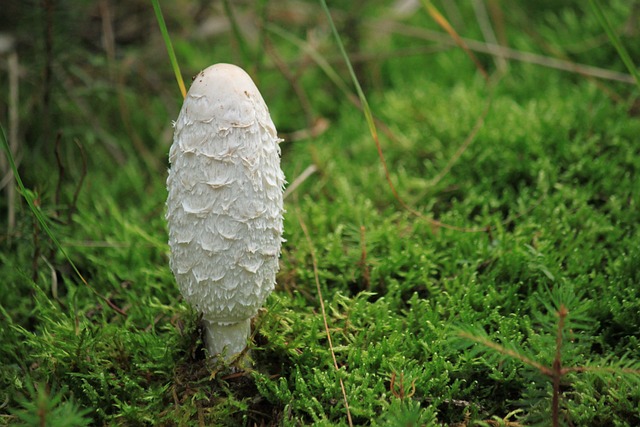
(225, 207)
(228, 92)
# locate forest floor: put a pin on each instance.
(486, 273)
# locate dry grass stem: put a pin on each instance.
(310, 170)
(324, 314)
(506, 52)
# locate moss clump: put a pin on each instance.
(429, 325)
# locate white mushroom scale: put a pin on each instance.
(224, 209)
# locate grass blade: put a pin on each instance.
(169, 45)
(615, 40)
(43, 222)
(365, 108)
(374, 132)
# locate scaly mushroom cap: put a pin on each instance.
(224, 208)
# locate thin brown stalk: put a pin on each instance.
(435, 224)
(459, 41)
(324, 314)
(41, 223)
(555, 372)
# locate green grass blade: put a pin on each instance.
(365, 105)
(169, 45)
(315, 55)
(367, 111)
(374, 131)
(34, 209)
(42, 220)
(615, 40)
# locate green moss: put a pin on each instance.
(552, 174)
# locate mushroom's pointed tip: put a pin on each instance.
(225, 86)
(222, 75)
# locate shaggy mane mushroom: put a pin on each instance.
(224, 207)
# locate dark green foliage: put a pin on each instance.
(429, 325)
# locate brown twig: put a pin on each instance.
(556, 371)
(61, 175)
(497, 17)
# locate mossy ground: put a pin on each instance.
(551, 182)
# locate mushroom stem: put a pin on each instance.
(227, 339)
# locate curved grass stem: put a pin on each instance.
(169, 45)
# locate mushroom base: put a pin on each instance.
(226, 339)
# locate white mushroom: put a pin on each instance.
(224, 209)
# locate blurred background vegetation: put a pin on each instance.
(87, 96)
(95, 72)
